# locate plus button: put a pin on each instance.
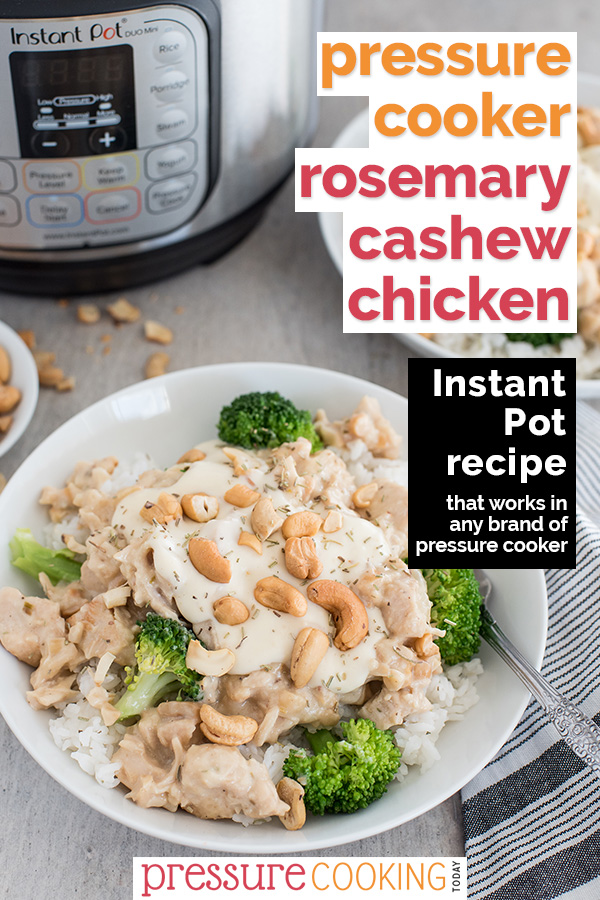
(107, 139)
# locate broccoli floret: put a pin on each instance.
(33, 558)
(160, 652)
(265, 420)
(347, 773)
(538, 340)
(456, 607)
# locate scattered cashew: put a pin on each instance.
(301, 558)
(310, 647)
(264, 519)
(9, 397)
(207, 560)
(333, 521)
(191, 456)
(274, 593)
(166, 509)
(250, 540)
(292, 793)
(348, 611)
(301, 524)
(230, 730)
(241, 495)
(88, 313)
(209, 662)
(156, 364)
(123, 311)
(4, 366)
(425, 647)
(363, 496)
(200, 507)
(158, 333)
(230, 611)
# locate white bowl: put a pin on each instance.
(175, 411)
(23, 376)
(356, 134)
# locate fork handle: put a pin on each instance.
(578, 732)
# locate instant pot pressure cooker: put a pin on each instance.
(136, 141)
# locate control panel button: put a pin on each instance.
(8, 176)
(171, 194)
(170, 86)
(170, 46)
(173, 124)
(50, 143)
(107, 139)
(174, 160)
(53, 211)
(52, 177)
(111, 171)
(113, 206)
(10, 212)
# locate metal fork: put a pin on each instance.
(578, 732)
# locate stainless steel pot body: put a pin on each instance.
(138, 140)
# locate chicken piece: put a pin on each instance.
(147, 586)
(309, 476)
(52, 681)
(589, 323)
(588, 283)
(218, 783)
(59, 690)
(151, 753)
(389, 510)
(401, 595)
(27, 624)
(389, 708)
(366, 424)
(269, 697)
(99, 629)
(70, 597)
(85, 476)
(101, 571)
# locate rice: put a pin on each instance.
(497, 346)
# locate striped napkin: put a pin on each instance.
(532, 817)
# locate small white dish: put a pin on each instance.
(163, 417)
(24, 376)
(356, 134)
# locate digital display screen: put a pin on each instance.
(74, 102)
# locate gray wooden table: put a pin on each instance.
(275, 297)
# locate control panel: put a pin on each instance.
(105, 127)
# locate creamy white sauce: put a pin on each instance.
(267, 637)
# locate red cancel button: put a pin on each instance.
(113, 206)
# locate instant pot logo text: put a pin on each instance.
(97, 31)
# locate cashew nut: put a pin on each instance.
(274, 593)
(209, 662)
(9, 397)
(310, 647)
(264, 519)
(165, 510)
(230, 611)
(333, 522)
(191, 456)
(292, 793)
(205, 557)
(250, 540)
(4, 366)
(301, 524)
(425, 647)
(364, 495)
(348, 611)
(229, 730)
(241, 461)
(200, 507)
(241, 495)
(301, 558)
